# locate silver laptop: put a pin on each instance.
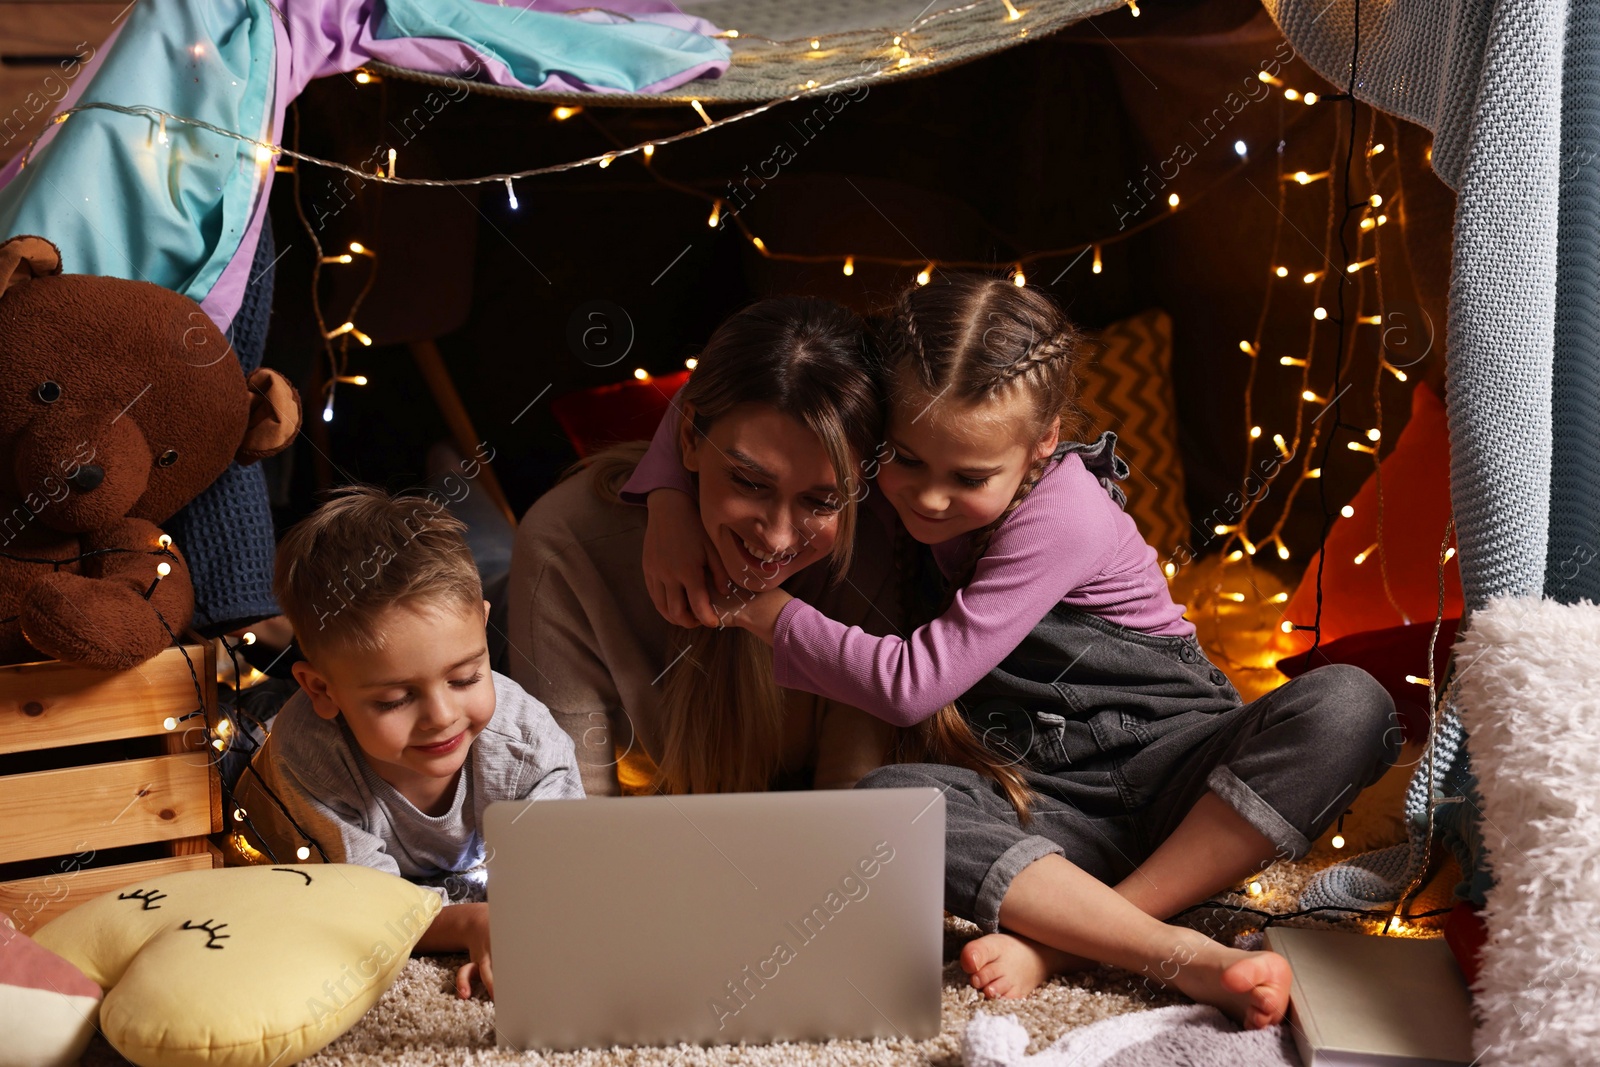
(707, 919)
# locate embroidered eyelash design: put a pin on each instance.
(291, 870)
(146, 897)
(212, 937)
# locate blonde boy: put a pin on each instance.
(400, 734)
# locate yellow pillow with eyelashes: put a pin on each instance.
(243, 966)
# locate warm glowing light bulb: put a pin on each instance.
(1337, 841)
(1347, 511)
(164, 541)
(302, 853)
(249, 637)
(760, 245)
(1311, 276)
(562, 114)
(699, 109)
(1247, 348)
(1283, 446)
(1319, 313)
(163, 568)
(1255, 431)
(169, 723)
(1311, 98)
(1375, 200)
(1361, 557)
(1291, 94)
(1169, 568)
(1241, 148)
(1286, 626)
(641, 374)
(649, 151)
(849, 265)
(1019, 279)
(1291, 361)
(1375, 149)
(1172, 200)
(1374, 434)
(1096, 266)
(925, 275)
(511, 195)
(363, 78)
(716, 215)
(1282, 272)
(815, 44)
(691, 363)
(358, 248)
(605, 160)
(1283, 550)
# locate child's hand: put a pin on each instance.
(677, 559)
(756, 612)
(475, 932)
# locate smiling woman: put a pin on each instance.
(775, 425)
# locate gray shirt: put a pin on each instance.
(317, 770)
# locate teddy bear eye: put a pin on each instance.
(48, 392)
(167, 458)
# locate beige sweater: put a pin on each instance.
(587, 641)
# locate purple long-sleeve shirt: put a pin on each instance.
(1068, 543)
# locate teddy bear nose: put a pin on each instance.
(87, 477)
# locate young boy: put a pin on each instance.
(400, 734)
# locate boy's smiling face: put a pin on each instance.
(415, 705)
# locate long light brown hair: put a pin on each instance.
(721, 711)
(974, 338)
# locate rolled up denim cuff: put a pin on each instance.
(1258, 813)
(1001, 872)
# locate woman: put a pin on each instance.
(776, 421)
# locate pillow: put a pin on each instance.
(1416, 506)
(47, 1006)
(1127, 388)
(624, 411)
(245, 966)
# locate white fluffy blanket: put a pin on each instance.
(1529, 694)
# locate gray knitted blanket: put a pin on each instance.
(1511, 91)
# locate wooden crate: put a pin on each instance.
(64, 816)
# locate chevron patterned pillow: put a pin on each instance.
(1127, 388)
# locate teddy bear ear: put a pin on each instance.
(274, 416)
(22, 258)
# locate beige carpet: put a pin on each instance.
(420, 1023)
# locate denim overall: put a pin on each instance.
(1120, 732)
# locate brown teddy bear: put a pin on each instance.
(121, 401)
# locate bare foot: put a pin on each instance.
(1005, 965)
(1250, 987)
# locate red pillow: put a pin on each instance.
(625, 411)
(1359, 623)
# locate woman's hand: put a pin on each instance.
(756, 612)
(475, 932)
(682, 567)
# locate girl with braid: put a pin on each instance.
(1126, 778)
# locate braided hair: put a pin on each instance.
(975, 338)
